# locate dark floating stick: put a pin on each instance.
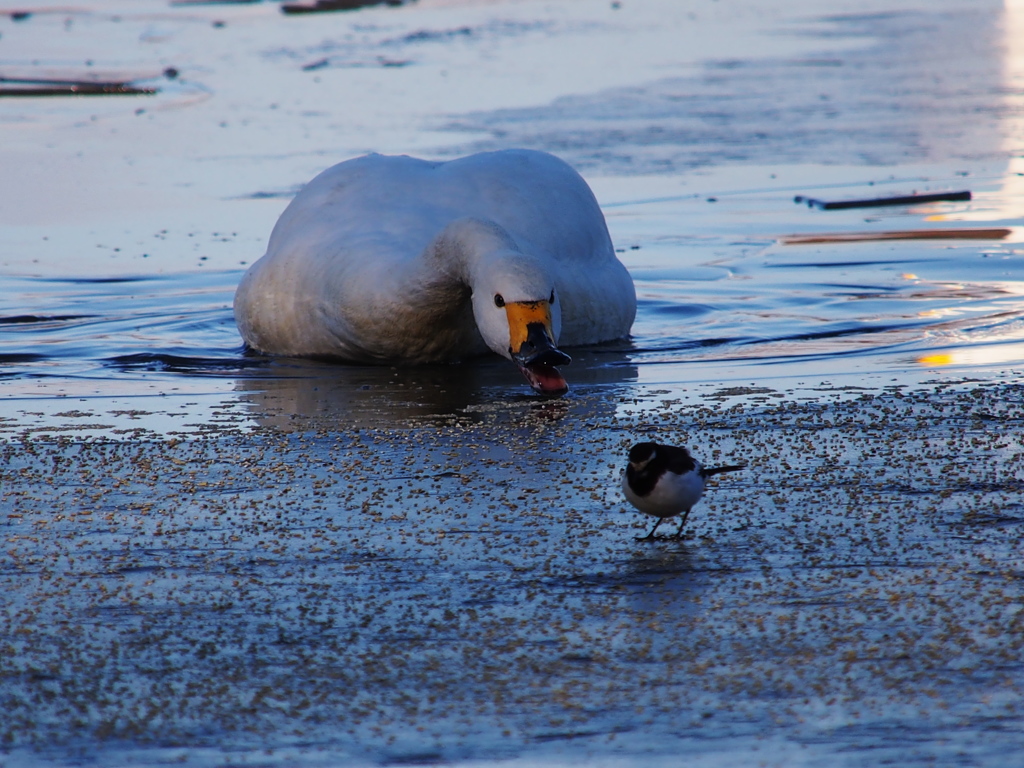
(92, 89)
(322, 6)
(879, 202)
(26, 86)
(215, 2)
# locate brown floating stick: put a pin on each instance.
(902, 234)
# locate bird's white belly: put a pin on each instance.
(673, 495)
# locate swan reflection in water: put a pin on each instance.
(290, 393)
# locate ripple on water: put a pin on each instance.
(768, 305)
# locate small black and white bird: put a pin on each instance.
(665, 480)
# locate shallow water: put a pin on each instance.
(217, 558)
(123, 270)
(736, 307)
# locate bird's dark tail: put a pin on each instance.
(712, 471)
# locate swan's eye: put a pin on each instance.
(499, 300)
(552, 299)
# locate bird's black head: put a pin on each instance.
(642, 452)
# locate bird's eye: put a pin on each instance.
(552, 299)
(499, 300)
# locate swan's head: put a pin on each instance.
(518, 313)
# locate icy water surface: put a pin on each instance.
(467, 589)
(213, 558)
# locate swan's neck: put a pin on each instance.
(484, 260)
(467, 248)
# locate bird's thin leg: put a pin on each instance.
(679, 532)
(651, 534)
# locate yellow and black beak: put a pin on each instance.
(532, 346)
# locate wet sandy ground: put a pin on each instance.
(466, 587)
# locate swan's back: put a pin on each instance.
(540, 200)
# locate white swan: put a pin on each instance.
(398, 260)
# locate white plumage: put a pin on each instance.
(404, 261)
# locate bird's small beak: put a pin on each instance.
(532, 347)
